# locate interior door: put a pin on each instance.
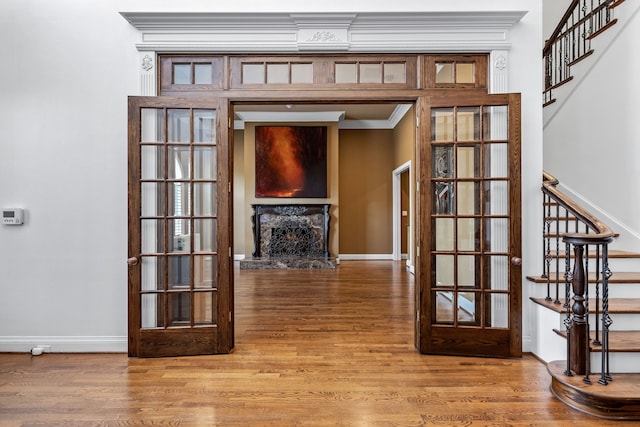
(469, 293)
(180, 222)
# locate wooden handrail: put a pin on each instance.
(558, 29)
(602, 231)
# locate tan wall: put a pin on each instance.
(366, 165)
(404, 136)
(250, 184)
(239, 218)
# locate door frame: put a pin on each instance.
(397, 219)
(493, 79)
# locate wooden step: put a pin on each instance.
(616, 305)
(618, 400)
(619, 341)
(618, 254)
(617, 277)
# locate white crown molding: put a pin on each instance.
(321, 116)
(292, 116)
(398, 113)
(356, 32)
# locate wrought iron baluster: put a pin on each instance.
(596, 340)
(586, 378)
(557, 232)
(606, 320)
(568, 322)
(546, 207)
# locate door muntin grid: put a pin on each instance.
(178, 218)
(470, 216)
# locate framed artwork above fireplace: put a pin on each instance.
(291, 161)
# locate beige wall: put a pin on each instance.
(239, 218)
(250, 184)
(366, 165)
(404, 136)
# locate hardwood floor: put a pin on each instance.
(313, 348)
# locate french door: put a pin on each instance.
(469, 290)
(180, 262)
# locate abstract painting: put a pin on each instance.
(291, 161)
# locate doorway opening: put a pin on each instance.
(367, 142)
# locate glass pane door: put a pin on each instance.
(473, 224)
(178, 186)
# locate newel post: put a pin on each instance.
(579, 338)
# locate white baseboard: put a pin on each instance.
(58, 344)
(370, 257)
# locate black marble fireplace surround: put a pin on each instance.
(290, 236)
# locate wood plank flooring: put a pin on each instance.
(313, 348)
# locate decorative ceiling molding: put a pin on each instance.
(302, 32)
(292, 116)
(321, 116)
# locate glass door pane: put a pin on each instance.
(470, 216)
(178, 190)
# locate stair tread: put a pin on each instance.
(623, 385)
(612, 254)
(617, 277)
(616, 305)
(619, 341)
(618, 400)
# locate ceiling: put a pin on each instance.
(348, 116)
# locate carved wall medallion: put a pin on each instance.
(147, 63)
(501, 62)
(324, 37)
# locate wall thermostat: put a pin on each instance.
(13, 216)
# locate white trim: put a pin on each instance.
(239, 257)
(398, 113)
(396, 220)
(148, 73)
(368, 257)
(293, 116)
(390, 123)
(499, 71)
(326, 32)
(63, 344)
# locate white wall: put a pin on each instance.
(68, 67)
(591, 140)
(553, 11)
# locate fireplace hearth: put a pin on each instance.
(290, 236)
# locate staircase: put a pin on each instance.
(571, 41)
(586, 286)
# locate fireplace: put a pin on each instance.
(290, 236)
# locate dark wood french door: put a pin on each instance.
(469, 273)
(180, 258)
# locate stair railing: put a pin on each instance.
(570, 41)
(584, 237)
